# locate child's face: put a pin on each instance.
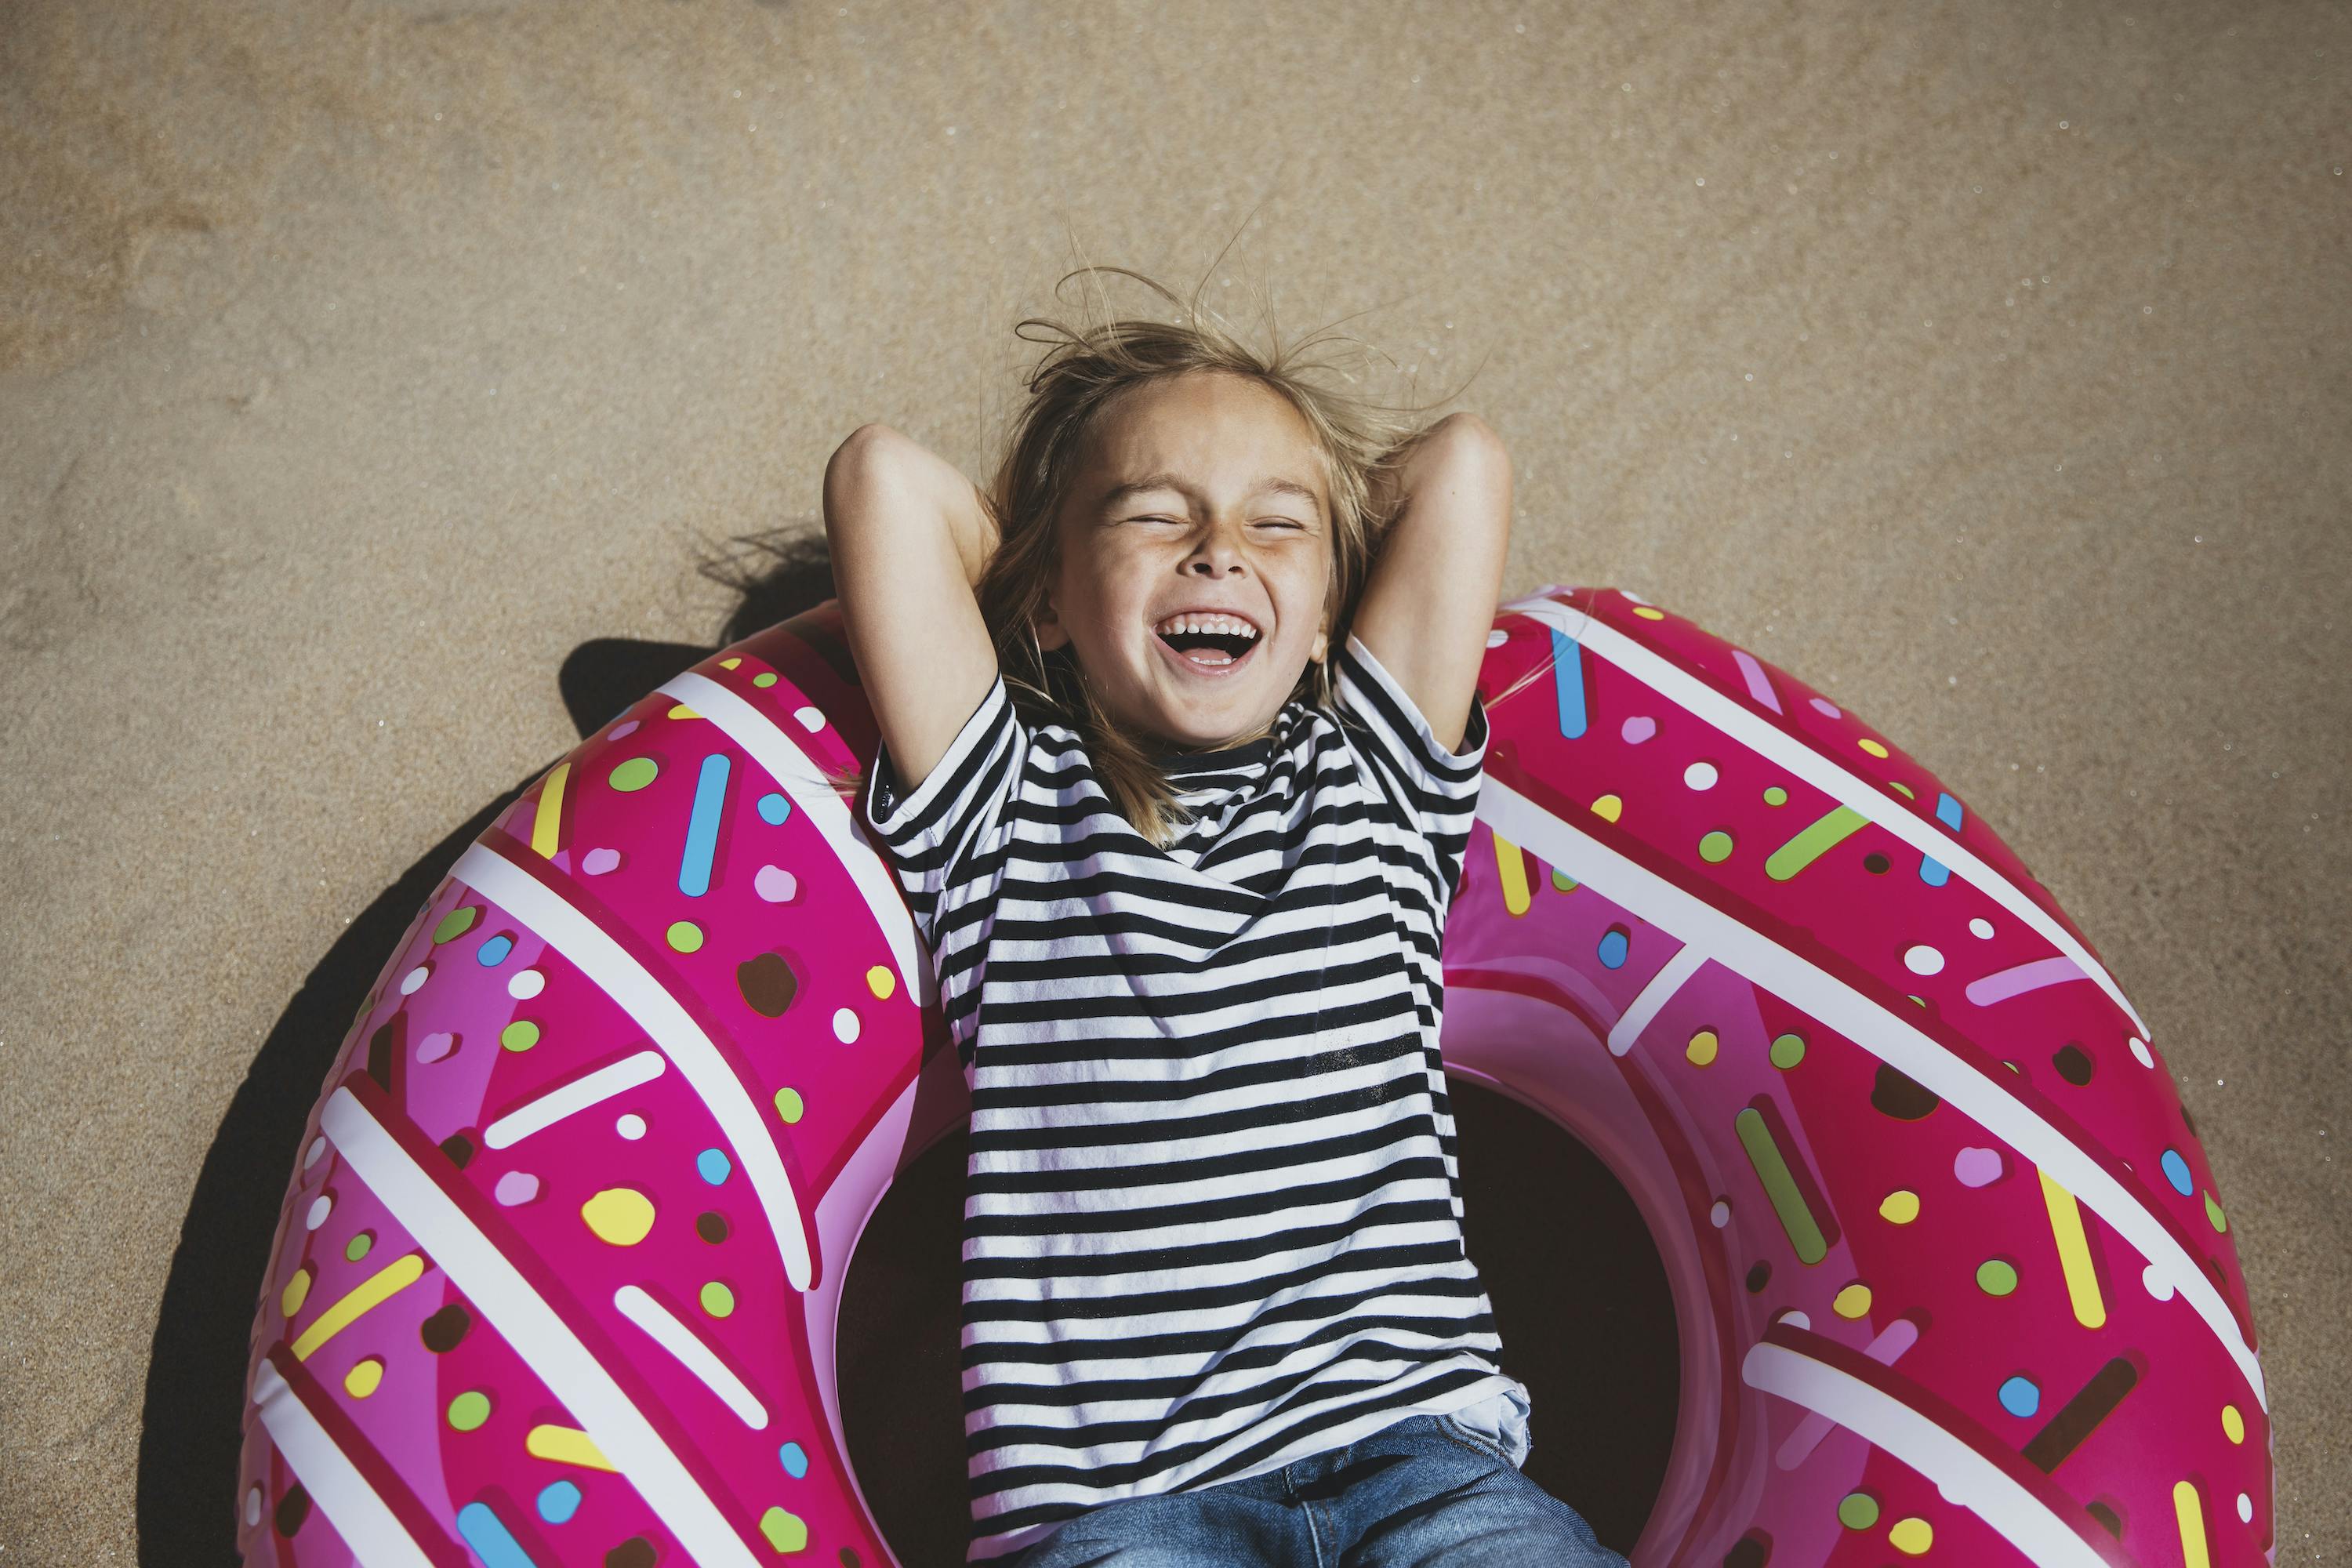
(1211, 531)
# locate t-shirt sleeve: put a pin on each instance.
(937, 835)
(1437, 789)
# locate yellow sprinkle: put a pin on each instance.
(1872, 747)
(1648, 614)
(880, 981)
(2074, 1254)
(1911, 1537)
(1899, 1207)
(730, 663)
(2233, 1423)
(682, 711)
(549, 818)
(622, 1215)
(1701, 1049)
(364, 1379)
(376, 1289)
(1511, 874)
(1609, 808)
(297, 1292)
(784, 1532)
(2190, 1513)
(565, 1445)
(788, 1104)
(1853, 1301)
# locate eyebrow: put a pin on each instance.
(1167, 481)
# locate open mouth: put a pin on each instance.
(1208, 653)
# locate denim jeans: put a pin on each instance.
(1427, 1492)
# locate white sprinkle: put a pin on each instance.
(1700, 775)
(845, 1025)
(1923, 960)
(415, 978)
(526, 984)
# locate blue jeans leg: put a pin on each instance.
(1250, 1523)
(1429, 1492)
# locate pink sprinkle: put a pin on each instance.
(1977, 1167)
(516, 1187)
(596, 862)
(775, 884)
(1823, 705)
(436, 1045)
(1638, 728)
(622, 731)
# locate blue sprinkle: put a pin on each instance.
(1612, 948)
(1568, 676)
(2019, 1396)
(494, 952)
(774, 808)
(2176, 1171)
(702, 826)
(491, 1541)
(796, 1461)
(1933, 872)
(712, 1163)
(1947, 810)
(559, 1502)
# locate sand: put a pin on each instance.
(378, 383)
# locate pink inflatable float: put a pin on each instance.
(558, 1272)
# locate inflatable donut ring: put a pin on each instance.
(558, 1270)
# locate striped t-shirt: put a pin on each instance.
(1211, 1211)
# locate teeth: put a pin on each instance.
(1220, 625)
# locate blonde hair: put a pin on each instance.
(1074, 387)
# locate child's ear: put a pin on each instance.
(1051, 633)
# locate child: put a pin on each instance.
(1185, 901)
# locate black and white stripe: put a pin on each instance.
(1212, 1214)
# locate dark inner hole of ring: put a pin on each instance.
(1580, 1296)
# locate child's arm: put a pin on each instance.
(1431, 600)
(910, 541)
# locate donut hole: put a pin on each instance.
(1580, 1294)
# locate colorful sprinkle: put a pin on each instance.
(631, 1126)
(2233, 1426)
(1825, 708)
(526, 984)
(493, 953)
(1853, 1301)
(718, 1299)
(810, 717)
(489, 1536)
(784, 1531)
(297, 1292)
(2033, 975)
(1872, 747)
(1567, 682)
(796, 1461)
(1911, 1537)
(1947, 810)
(1700, 775)
(1637, 729)
(1974, 1167)
(2213, 1214)
(2189, 1511)
(767, 983)
(1753, 673)
(1981, 927)
(520, 1035)
(1996, 1276)
(364, 1378)
(1816, 839)
(774, 884)
(1609, 808)
(1921, 959)
(2020, 1397)
(2139, 1051)
(1788, 1051)
(2176, 1171)
(2064, 1432)
(1797, 1218)
(1614, 946)
(764, 680)
(633, 775)
(845, 1026)
(1701, 1049)
(1900, 1207)
(788, 1104)
(547, 821)
(702, 826)
(2074, 1254)
(774, 808)
(558, 1501)
(565, 1445)
(360, 1246)
(881, 981)
(596, 862)
(713, 1165)
(1648, 614)
(1718, 1213)
(1716, 847)
(1774, 796)
(622, 731)
(681, 711)
(455, 923)
(1858, 1510)
(320, 1207)
(411, 981)
(469, 1410)
(516, 1188)
(623, 1216)
(1934, 872)
(683, 936)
